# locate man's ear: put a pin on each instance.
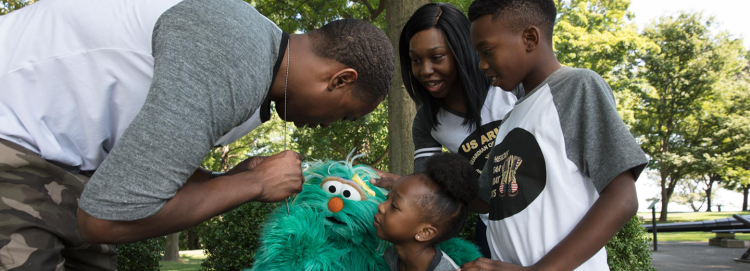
(531, 37)
(426, 233)
(343, 79)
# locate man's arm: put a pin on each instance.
(273, 179)
(617, 204)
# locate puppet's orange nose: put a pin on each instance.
(335, 204)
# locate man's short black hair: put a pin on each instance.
(361, 46)
(518, 13)
(455, 183)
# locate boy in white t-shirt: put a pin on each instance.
(560, 180)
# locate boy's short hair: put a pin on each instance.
(361, 46)
(455, 184)
(518, 13)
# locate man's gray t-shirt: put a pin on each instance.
(440, 262)
(213, 68)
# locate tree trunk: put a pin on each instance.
(225, 158)
(712, 179)
(709, 187)
(664, 199)
(745, 190)
(193, 242)
(401, 108)
(172, 251)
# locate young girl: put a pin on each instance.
(459, 110)
(425, 209)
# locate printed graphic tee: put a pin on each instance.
(556, 151)
(473, 144)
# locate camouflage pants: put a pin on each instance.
(38, 204)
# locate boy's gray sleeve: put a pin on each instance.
(596, 138)
(424, 144)
(195, 97)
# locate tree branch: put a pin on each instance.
(300, 5)
(367, 4)
(381, 8)
(374, 13)
(338, 148)
(382, 156)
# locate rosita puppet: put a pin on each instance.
(329, 225)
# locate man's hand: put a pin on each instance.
(385, 179)
(278, 176)
(485, 264)
(246, 165)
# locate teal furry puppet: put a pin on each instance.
(329, 225)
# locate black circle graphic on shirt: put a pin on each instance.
(519, 174)
(477, 146)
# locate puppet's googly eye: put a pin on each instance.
(333, 187)
(350, 193)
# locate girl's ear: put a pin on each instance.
(426, 233)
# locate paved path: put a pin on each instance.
(698, 256)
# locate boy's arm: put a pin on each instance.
(479, 206)
(617, 204)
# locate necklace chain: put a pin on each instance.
(286, 79)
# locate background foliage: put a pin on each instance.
(629, 250)
(231, 239)
(11, 5)
(140, 256)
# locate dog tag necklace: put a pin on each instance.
(286, 79)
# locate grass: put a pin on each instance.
(690, 217)
(691, 236)
(695, 236)
(192, 261)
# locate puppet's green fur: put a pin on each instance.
(309, 237)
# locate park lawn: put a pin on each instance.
(192, 261)
(690, 217)
(695, 236)
(691, 236)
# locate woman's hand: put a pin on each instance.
(385, 180)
